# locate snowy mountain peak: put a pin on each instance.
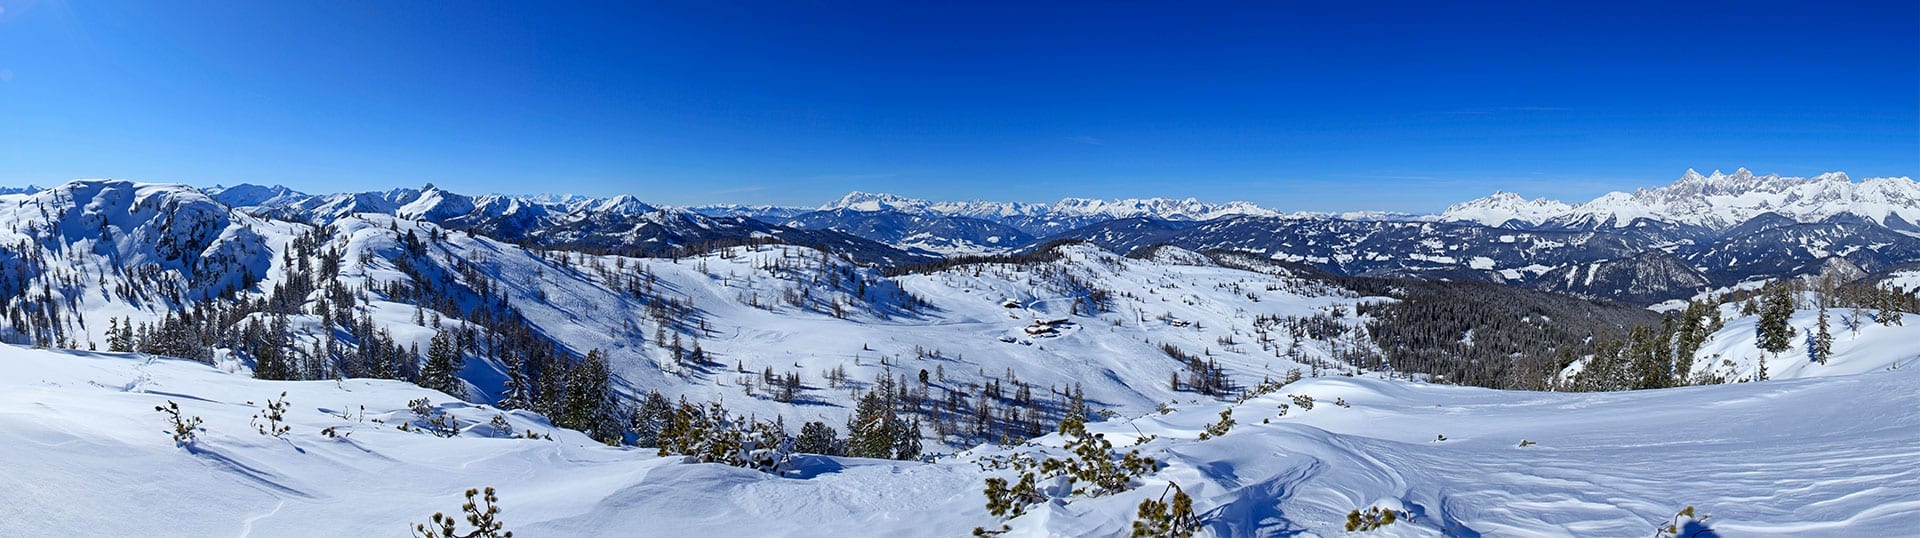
(864, 201)
(1502, 207)
(1718, 200)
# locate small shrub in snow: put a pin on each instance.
(1305, 401)
(484, 520)
(1372, 519)
(1159, 518)
(1219, 428)
(1091, 470)
(1013, 501)
(1265, 388)
(1093, 463)
(500, 426)
(184, 429)
(271, 420)
(1684, 524)
(431, 420)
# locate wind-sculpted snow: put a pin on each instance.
(84, 448)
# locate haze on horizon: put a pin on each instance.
(1294, 106)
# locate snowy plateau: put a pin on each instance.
(258, 361)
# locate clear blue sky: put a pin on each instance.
(1295, 105)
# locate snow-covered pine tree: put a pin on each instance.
(818, 438)
(442, 370)
(519, 389)
(650, 419)
(591, 405)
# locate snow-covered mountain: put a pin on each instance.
(1041, 219)
(1504, 207)
(1717, 201)
(620, 223)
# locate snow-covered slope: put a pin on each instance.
(1717, 201)
(84, 448)
(1731, 353)
(755, 308)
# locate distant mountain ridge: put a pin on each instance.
(1699, 233)
(1716, 201)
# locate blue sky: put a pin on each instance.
(1294, 105)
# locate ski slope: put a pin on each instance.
(1827, 456)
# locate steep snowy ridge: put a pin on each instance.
(1718, 201)
(132, 246)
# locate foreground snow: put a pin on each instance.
(84, 449)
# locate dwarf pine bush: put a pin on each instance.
(271, 420)
(484, 520)
(184, 429)
(1219, 428)
(1160, 518)
(1372, 519)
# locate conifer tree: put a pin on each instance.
(818, 438)
(444, 362)
(519, 389)
(1773, 333)
(1821, 345)
(650, 419)
(590, 405)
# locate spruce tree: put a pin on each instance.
(650, 419)
(519, 389)
(818, 438)
(870, 431)
(442, 370)
(1821, 345)
(1773, 333)
(591, 405)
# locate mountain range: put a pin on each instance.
(1697, 234)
